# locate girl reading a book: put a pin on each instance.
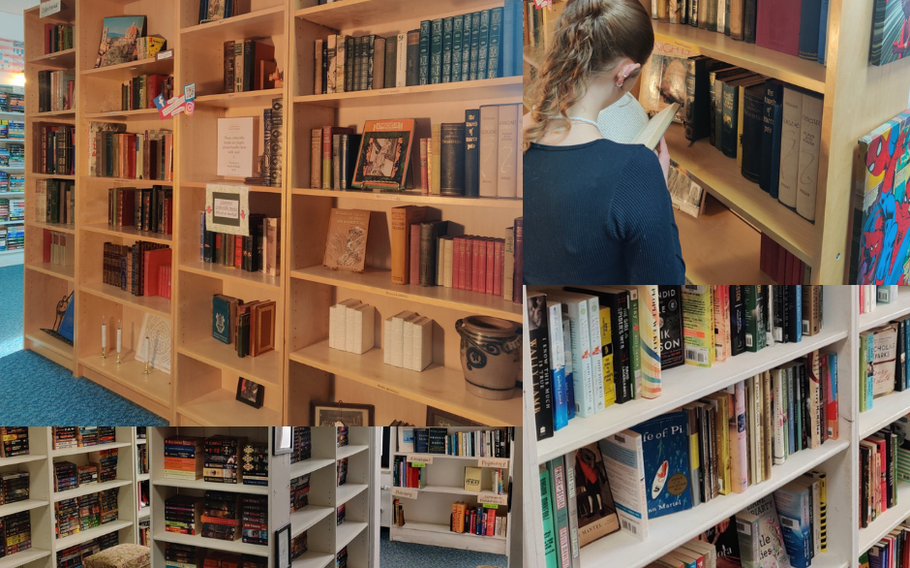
(596, 212)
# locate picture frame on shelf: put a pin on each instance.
(283, 544)
(158, 353)
(341, 414)
(282, 440)
(440, 418)
(249, 392)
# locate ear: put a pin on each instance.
(625, 69)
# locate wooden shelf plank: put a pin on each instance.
(377, 281)
(263, 369)
(366, 13)
(212, 408)
(253, 188)
(55, 270)
(801, 72)
(145, 113)
(247, 98)
(123, 71)
(87, 449)
(90, 534)
(131, 374)
(348, 451)
(419, 94)
(259, 279)
(52, 343)
(70, 113)
(885, 410)
(153, 304)
(311, 559)
(131, 182)
(305, 518)
(24, 557)
(720, 176)
(203, 485)
(883, 313)
(348, 491)
(346, 532)
(414, 197)
(736, 254)
(70, 229)
(436, 386)
(19, 506)
(51, 176)
(440, 535)
(235, 546)
(308, 466)
(894, 516)
(91, 488)
(129, 233)
(64, 59)
(16, 460)
(259, 23)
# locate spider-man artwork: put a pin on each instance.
(883, 256)
(890, 31)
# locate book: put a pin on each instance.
(793, 502)
(665, 446)
(809, 148)
(810, 15)
(119, 36)
(772, 117)
(489, 150)
(346, 239)
(778, 26)
(597, 513)
(626, 122)
(698, 325)
(384, 155)
(624, 461)
(549, 531)
(671, 327)
(401, 220)
(760, 540)
(753, 128)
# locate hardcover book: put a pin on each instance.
(346, 241)
(385, 150)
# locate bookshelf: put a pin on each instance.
(837, 458)
(427, 510)
(42, 496)
(359, 532)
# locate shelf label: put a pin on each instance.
(490, 505)
(405, 492)
(388, 197)
(493, 462)
(414, 459)
(396, 294)
(492, 500)
(387, 389)
(166, 54)
(49, 7)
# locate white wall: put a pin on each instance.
(11, 27)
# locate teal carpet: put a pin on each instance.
(407, 555)
(39, 392)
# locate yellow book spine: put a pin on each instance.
(649, 333)
(698, 325)
(606, 332)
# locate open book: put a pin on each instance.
(626, 122)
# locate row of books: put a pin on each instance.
(884, 365)
(14, 486)
(140, 91)
(870, 295)
(57, 149)
(13, 441)
(406, 475)
(299, 545)
(341, 558)
(12, 156)
(59, 248)
(63, 437)
(341, 436)
(351, 327)
(248, 326)
(696, 325)
(255, 519)
(145, 531)
(16, 531)
(473, 443)
(222, 459)
(341, 472)
(75, 556)
(781, 265)
(213, 10)
(142, 458)
(302, 443)
(187, 556)
(11, 101)
(12, 209)
(476, 520)
(182, 514)
(12, 237)
(56, 90)
(884, 462)
(260, 251)
(221, 515)
(273, 146)
(249, 65)
(408, 335)
(255, 464)
(143, 497)
(300, 492)
(14, 129)
(341, 514)
(892, 551)
(137, 268)
(146, 155)
(82, 513)
(12, 182)
(219, 459)
(58, 37)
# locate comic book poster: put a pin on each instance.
(890, 31)
(881, 244)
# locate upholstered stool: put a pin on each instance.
(120, 556)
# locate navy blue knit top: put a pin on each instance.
(598, 213)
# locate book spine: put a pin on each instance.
(791, 140)
(729, 122)
(475, 46)
(809, 148)
(557, 366)
(753, 124)
(483, 53)
(649, 333)
(736, 19)
(391, 62)
(452, 159)
(436, 51)
(810, 15)
(494, 56)
(424, 51)
(448, 38)
(749, 20)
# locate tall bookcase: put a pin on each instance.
(42, 496)
(200, 389)
(428, 510)
(325, 538)
(839, 458)
(858, 98)
(16, 256)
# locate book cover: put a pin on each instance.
(778, 25)
(489, 150)
(753, 127)
(557, 467)
(721, 297)
(384, 155)
(472, 153)
(549, 531)
(665, 447)
(624, 461)
(649, 334)
(809, 149)
(790, 140)
(557, 364)
(452, 164)
(755, 318)
(671, 327)
(769, 176)
(884, 355)
(572, 510)
(575, 308)
(698, 325)
(597, 516)
(346, 239)
(793, 508)
(760, 540)
(810, 15)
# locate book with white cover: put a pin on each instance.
(626, 122)
(422, 348)
(623, 457)
(359, 331)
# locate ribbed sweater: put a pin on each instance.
(598, 213)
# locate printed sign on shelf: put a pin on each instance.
(493, 462)
(406, 492)
(414, 459)
(492, 499)
(172, 108)
(49, 7)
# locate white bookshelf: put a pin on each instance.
(838, 458)
(427, 510)
(142, 513)
(42, 496)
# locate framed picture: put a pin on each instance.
(250, 393)
(283, 543)
(281, 440)
(157, 351)
(436, 417)
(340, 414)
(227, 209)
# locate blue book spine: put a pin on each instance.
(436, 51)
(557, 362)
(483, 53)
(457, 44)
(775, 150)
(494, 57)
(832, 384)
(823, 32)
(665, 445)
(798, 289)
(424, 66)
(448, 32)
(466, 46)
(570, 375)
(508, 38)
(518, 34)
(475, 45)
(808, 29)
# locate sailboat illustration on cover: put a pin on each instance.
(660, 479)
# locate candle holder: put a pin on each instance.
(146, 371)
(103, 338)
(148, 357)
(119, 331)
(118, 358)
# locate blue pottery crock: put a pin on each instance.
(490, 356)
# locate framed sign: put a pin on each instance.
(341, 414)
(283, 546)
(227, 209)
(281, 440)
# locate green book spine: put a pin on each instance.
(368, 52)
(457, 44)
(350, 56)
(424, 67)
(466, 47)
(635, 343)
(730, 119)
(448, 37)
(475, 45)
(494, 58)
(391, 58)
(436, 52)
(483, 52)
(549, 532)
(755, 324)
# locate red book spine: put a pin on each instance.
(48, 237)
(238, 251)
(479, 261)
(47, 37)
(498, 246)
(491, 521)
(777, 25)
(458, 264)
(468, 263)
(415, 254)
(217, 243)
(491, 265)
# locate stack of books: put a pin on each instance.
(65, 437)
(88, 436)
(55, 201)
(476, 520)
(341, 559)
(70, 557)
(88, 474)
(342, 472)
(299, 545)
(255, 519)
(340, 514)
(408, 340)
(250, 561)
(106, 461)
(89, 511)
(14, 486)
(56, 149)
(58, 248)
(67, 515)
(109, 540)
(255, 458)
(58, 37)
(218, 559)
(248, 326)
(302, 443)
(220, 515)
(351, 326)
(181, 555)
(107, 435)
(65, 476)
(222, 459)
(137, 268)
(496, 443)
(300, 492)
(183, 457)
(17, 532)
(147, 209)
(883, 459)
(182, 514)
(109, 505)
(883, 362)
(14, 441)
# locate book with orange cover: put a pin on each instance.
(385, 153)
(402, 219)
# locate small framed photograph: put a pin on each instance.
(250, 393)
(282, 442)
(340, 414)
(438, 418)
(283, 545)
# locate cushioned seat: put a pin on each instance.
(120, 556)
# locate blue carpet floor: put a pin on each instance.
(44, 393)
(407, 555)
